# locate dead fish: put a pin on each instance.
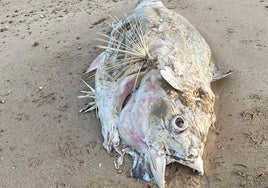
(152, 91)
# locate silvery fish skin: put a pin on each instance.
(153, 94)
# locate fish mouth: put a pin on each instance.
(177, 158)
(196, 163)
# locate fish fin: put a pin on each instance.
(171, 78)
(158, 166)
(88, 94)
(90, 107)
(219, 74)
(140, 168)
(96, 63)
(174, 80)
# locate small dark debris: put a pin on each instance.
(59, 185)
(49, 98)
(63, 108)
(255, 139)
(250, 114)
(195, 172)
(230, 30)
(3, 29)
(255, 97)
(260, 175)
(35, 44)
(99, 21)
(238, 164)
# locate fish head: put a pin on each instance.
(178, 132)
(170, 129)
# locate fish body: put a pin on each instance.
(152, 91)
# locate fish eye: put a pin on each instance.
(177, 124)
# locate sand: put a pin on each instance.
(46, 46)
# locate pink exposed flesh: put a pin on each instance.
(125, 88)
(134, 118)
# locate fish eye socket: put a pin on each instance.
(177, 124)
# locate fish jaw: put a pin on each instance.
(157, 165)
(196, 164)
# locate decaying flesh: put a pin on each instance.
(153, 94)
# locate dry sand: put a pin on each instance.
(45, 46)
